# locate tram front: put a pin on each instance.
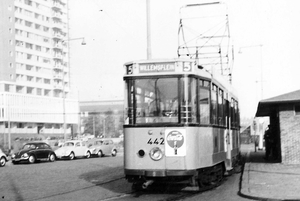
(160, 109)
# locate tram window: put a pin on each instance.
(237, 114)
(226, 112)
(206, 83)
(234, 114)
(221, 108)
(214, 104)
(204, 101)
(128, 117)
(156, 100)
(189, 100)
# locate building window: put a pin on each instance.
(38, 48)
(29, 78)
(39, 91)
(46, 81)
(47, 92)
(29, 46)
(7, 87)
(19, 89)
(28, 2)
(29, 90)
(28, 24)
(28, 67)
(297, 109)
(20, 125)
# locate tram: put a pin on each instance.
(181, 124)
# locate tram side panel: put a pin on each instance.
(196, 151)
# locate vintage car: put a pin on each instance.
(3, 158)
(73, 149)
(102, 147)
(34, 151)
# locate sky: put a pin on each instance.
(265, 34)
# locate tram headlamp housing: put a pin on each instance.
(156, 154)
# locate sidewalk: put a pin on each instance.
(263, 180)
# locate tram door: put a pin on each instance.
(228, 136)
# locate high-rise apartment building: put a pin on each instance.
(35, 93)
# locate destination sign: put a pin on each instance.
(157, 67)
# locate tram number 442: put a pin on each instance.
(160, 141)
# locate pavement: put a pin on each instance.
(268, 180)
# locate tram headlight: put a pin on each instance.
(156, 154)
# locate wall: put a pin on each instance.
(290, 135)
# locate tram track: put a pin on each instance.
(97, 184)
(174, 194)
(171, 192)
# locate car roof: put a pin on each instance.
(35, 143)
(73, 141)
(100, 139)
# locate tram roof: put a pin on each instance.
(159, 60)
(214, 75)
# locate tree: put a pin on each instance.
(92, 125)
(107, 124)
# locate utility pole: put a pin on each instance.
(94, 133)
(104, 127)
(149, 56)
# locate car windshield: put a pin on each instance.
(29, 146)
(99, 142)
(69, 144)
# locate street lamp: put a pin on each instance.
(81, 38)
(64, 94)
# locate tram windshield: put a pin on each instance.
(157, 100)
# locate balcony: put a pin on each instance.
(58, 46)
(56, 6)
(58, 76)
(57, 57)
(57, 15)
(58, 86)
(57, 35)
(57, 25)
(58, 67)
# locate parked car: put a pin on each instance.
(3, 158)
(102, 147)
(73, 149)
(34, 151)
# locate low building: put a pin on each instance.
(95, 120)
(284, 114)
